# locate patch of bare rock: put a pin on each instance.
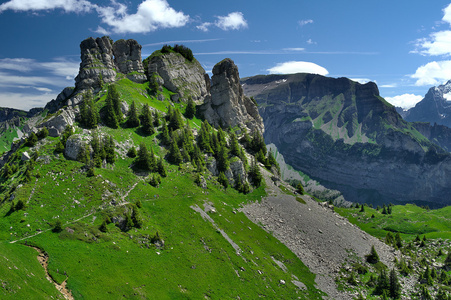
(322, 239)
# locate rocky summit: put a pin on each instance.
(349, 138)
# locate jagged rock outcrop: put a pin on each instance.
(181, 76)
(228, 106)
(56, 124)
(101, 59)
(434, 108)
(57, 103)
(97, 63)
(127, 57)
(347, 137)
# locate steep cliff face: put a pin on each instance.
(101, 60)
(186, 78)
(344, 134)
(434, 108)
(228, 106)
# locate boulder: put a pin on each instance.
(74, 144)
(60, 121)
(227, 106)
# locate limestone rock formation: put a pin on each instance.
(127, 57)
(56, 124)
(181, 76)
(97, 63)
(101, 60)
(228, 106)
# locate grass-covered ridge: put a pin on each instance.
(168, 251)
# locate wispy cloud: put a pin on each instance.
(286, 51)
(361, 80)
(305, 22)
(294, 49)
(291, 67)
(180, 42)
(25, 101)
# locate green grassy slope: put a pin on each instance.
(196, 261)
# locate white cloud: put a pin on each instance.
(66, 5)
(181, 42)
(361, 80)
(438, 43)
(101, 30)
(150, 16)
(310, 42)
(447, 14)
(433, 73)
(232, 21)
(404, 101)
(391, 85)
(25, 101)
(292, 67)
(305, 22)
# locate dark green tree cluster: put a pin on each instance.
(113, 112)
(395, 241)
(388, 286)
(386, 210)
(132, 116)
(31, 140)
(89, 116)
(255, 175)
(190, 110)
(146, 120)
(372, 257)
(184, 51)
(147, 161)
(102, 149)
(19, 205)
(43, 133)
(61, 145)
(174, 118)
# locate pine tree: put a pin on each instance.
(175, 157)
(362, 208)
(43, 133)
(234, 146)
(83, 154)
(146, 120)
(175, 120)
(373, 257)
(143, 159)
(132, 120)
(203, 139)
(222, 159)
(31, 140)
(222, 179)
(254, 174)
(132, 152)
(115, 97)
(110, 117)
(190, 108)
(389, 238)
(398, 240)
(108, 145)
(383, 284)
(156, 119)
(300, 189)
(160, 168)
(165, 136)
(395, 286)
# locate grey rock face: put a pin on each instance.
(434, 108)
(58, 123)
(74, 144)
(227, 105)
(96, 60)
(127, 57)
(395, 167)
(180, 75)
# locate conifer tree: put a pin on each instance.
(111, 119)
(31, 140)
(234, 146)
(83, 154)
(165, 135)
(175, 157)
(254, 174)
(373, 257)
(222, 179)
(133, 120)
(132, 152)
(190, 108)
(383, 284)
(43, 133)
(143, 159)
(160, 168)
(398, 240)
(175, 119)
(108, 145)
(222, 159)
(146, 120)
(115, 97)
(156, 119)
(203, 139)
(395, 286)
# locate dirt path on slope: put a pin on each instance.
(322, 239)
(43, 259)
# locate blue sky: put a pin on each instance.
(404, 46)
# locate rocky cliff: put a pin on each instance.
(346, 136)
(180, 76)
(228, 106)
(434, 108)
